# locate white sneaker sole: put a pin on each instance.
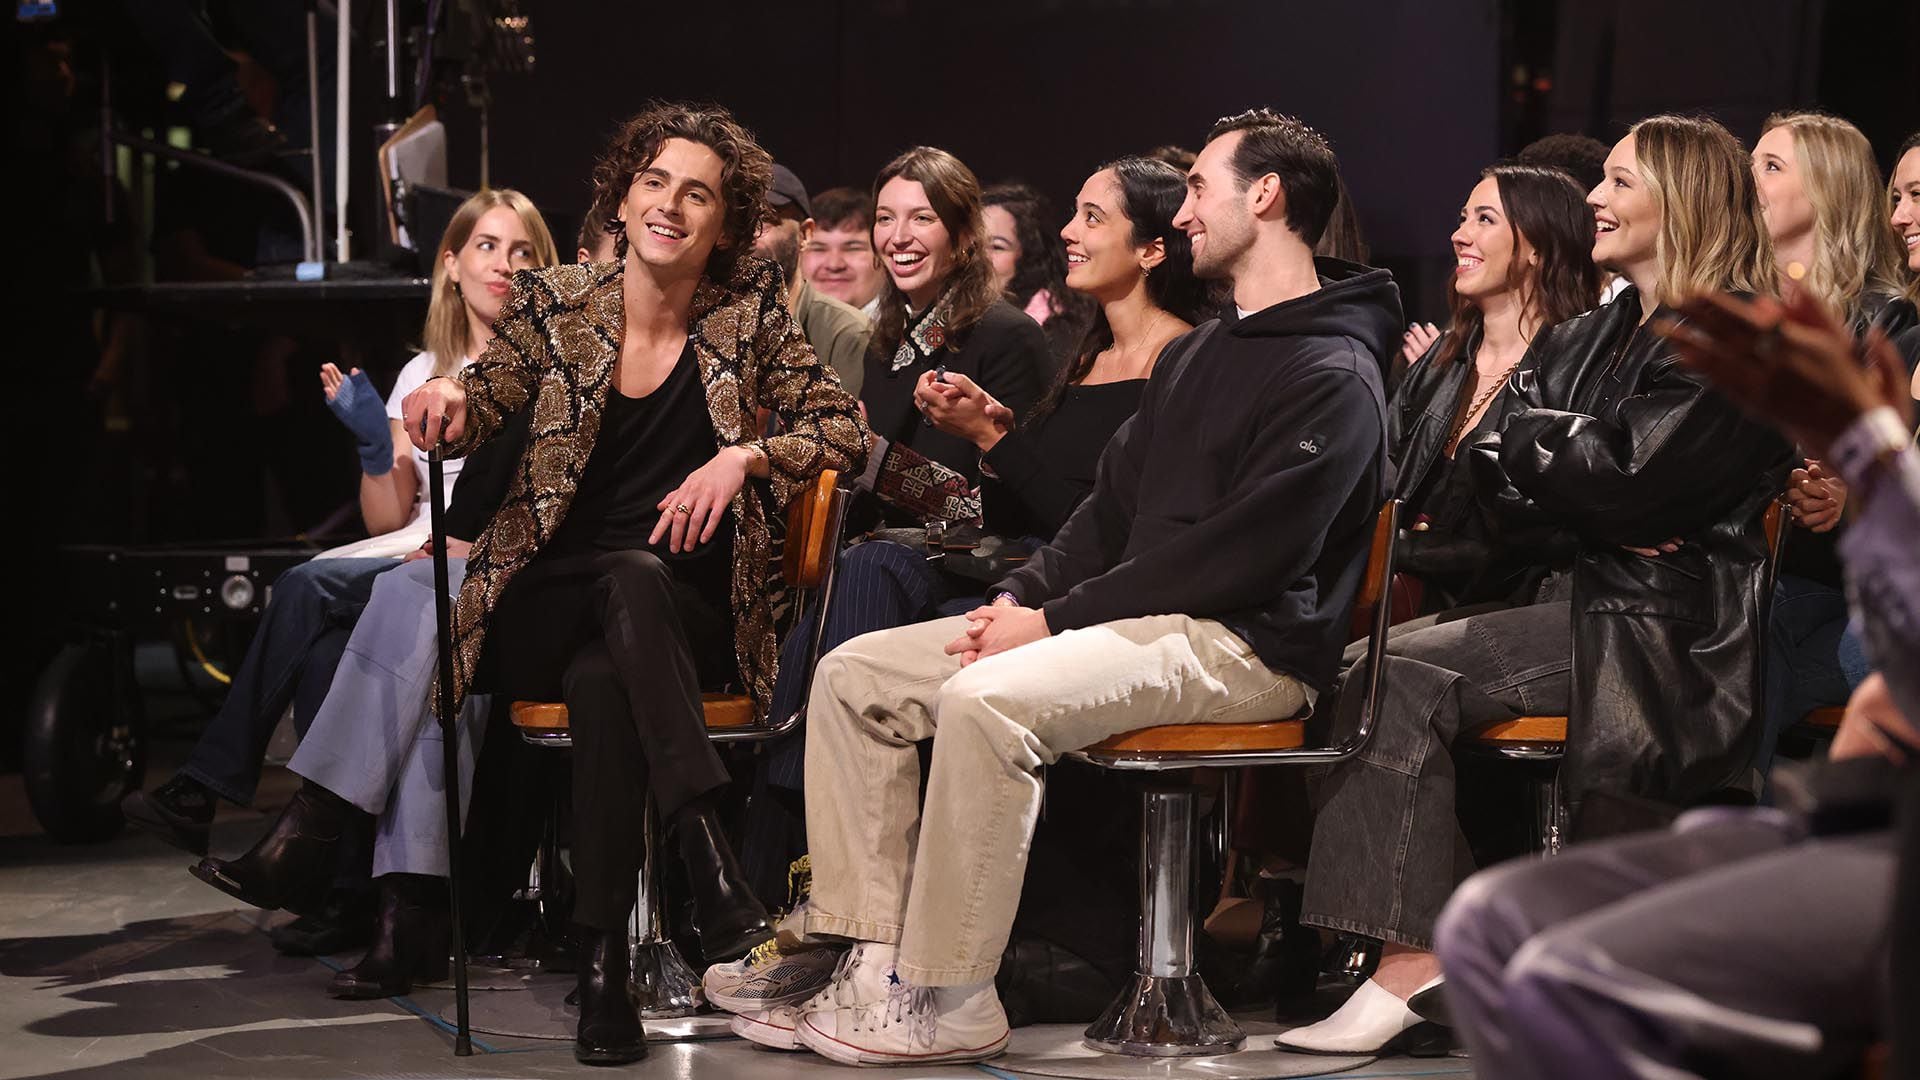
(848, 1054)
(762, 1033)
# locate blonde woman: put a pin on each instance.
(1650, 485)
(1822, 199)
(292, 657)
(493, 235)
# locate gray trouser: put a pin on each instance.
(1726, 947)
(1387, 846)
(375, 741)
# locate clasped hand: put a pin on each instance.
(996, 628)
(960, 407)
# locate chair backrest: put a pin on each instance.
(1774, 524)
(811, 535)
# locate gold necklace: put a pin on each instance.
(1145, 339)
(1479, 402)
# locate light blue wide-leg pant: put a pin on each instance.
(375, 741)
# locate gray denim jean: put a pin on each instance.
(1387, 846)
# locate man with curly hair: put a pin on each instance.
(626, 570)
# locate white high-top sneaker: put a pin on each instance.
(909, 1026)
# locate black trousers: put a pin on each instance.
(626, 640)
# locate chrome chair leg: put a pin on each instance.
(663, 984)
(1166, 1009)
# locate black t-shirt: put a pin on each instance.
(1041, 472)
(646, 447)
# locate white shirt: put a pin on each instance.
(419, 526)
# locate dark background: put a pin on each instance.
(214, 431)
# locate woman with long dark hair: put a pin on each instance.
(1123, 252)
(1522, 263)
(1648, 490)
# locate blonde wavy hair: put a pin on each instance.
(1854, 252)
(445, 335)
(1711, 233)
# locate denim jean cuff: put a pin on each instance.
(1378, 933)
(205, 780)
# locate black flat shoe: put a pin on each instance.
(291, 865)
(1431, 1005)
(609, 1032)
(731, 919)
(179, 811)
(410, 941)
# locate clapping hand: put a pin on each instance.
(1793, 364)
(1417, 340)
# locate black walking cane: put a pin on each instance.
(450, 736)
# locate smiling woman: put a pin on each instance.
(940, 308)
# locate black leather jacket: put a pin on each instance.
(1462, 564)
(1612, 442)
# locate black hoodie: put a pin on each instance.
(1245, 487)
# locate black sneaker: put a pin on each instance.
(179, 811)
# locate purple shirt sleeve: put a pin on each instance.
(1881, 549)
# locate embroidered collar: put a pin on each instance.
(925, 336)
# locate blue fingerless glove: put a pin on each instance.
(359, 407)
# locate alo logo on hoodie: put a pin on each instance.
(1311, 444)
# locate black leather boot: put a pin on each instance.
(1286, 955)
(409, 941)
(609, 1031)
(731, 920)
(291, 865)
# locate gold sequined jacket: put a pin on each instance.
(557, 343)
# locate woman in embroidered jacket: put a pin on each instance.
(627, 567)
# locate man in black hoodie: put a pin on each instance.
(1208, 577)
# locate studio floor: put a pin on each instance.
(114, 962)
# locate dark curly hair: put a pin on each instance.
(746, 172)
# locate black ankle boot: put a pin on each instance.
(609, 1031)
(291, 865)
(730, 918)
(409, 941)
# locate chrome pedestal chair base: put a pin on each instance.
(664, 985)
(1165, 1016)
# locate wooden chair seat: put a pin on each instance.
(550, 717)
(1525, 729)
(1827, 719)
(1208, 738)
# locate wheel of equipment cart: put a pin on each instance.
(84, 746)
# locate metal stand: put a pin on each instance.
(665, 986)
(450, 736)
(1166, 1011)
